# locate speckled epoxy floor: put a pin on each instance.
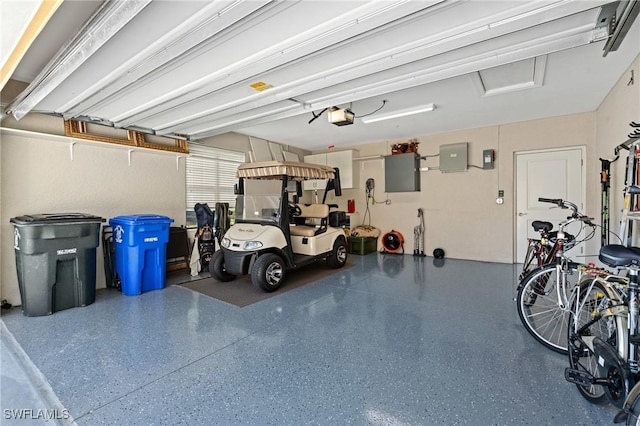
(394, 340)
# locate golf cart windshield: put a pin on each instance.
(257, 208)
(260, 203)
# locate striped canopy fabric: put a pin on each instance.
(276, 169)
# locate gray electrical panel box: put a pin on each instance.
(402, 173)
(453, 158)
(488, 156)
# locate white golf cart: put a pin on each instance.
(272, 234)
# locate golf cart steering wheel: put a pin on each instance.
(294, 210)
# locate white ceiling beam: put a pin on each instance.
(375, 64)
(360, 19)
(208, 22)
(206, 104)
(110, 18)
(490, 58)
(128, 94)
(224, 103)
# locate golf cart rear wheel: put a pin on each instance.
(338, 256)
(268, 272)
(216, 268)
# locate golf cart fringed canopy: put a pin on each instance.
(276, 169)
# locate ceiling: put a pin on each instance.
(269, 69)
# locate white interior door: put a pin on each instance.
(547, 174)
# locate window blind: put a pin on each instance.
(210, 177)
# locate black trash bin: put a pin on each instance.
(56, 261)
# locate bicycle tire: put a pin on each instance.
(538, 307)
(630, 413)
(608, 329)
(633, 418)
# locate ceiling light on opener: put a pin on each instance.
(400, 113)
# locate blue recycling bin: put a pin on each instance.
(140, 245)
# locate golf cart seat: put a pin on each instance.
(311, 211)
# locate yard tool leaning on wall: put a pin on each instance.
(418, 236)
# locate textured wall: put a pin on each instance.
(49, 174)
(461, 215)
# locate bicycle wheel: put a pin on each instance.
(634, 412)
(595, 297)
(539, 309)
(631, 409)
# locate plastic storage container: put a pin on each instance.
(56, 261)
(140, 243)
(363, 245)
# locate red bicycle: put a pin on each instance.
(543, 251)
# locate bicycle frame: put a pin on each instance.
(620, 363)
(558, 248)
(564, 302)
(542, 251)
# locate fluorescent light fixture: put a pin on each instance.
(399, 113)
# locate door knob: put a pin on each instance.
(522, 214)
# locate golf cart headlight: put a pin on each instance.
(252, 245)
(225, 242)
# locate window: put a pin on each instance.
(211, 176)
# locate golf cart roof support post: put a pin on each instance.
(284, 203)
(240, 187)
(284, 221)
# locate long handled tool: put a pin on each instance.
(418, 236)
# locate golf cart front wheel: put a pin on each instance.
(338, 256)
(216, 268)
(268, 272)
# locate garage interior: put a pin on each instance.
(103, 103)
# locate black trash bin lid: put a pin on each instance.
(55, 218)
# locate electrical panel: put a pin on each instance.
(488, 157)
(402, 173)
(453, 157)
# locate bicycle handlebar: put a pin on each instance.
(568, 205)
(561, 203)
(585, 219)
(557, 201)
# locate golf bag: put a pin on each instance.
(205, 234)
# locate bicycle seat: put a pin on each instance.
(618, 255)
(539, 225)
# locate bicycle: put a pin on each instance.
(630, 412)
(542, 251)
(544, 294)
(603, 329)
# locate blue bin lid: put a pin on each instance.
(55, 218)
(140, 219)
